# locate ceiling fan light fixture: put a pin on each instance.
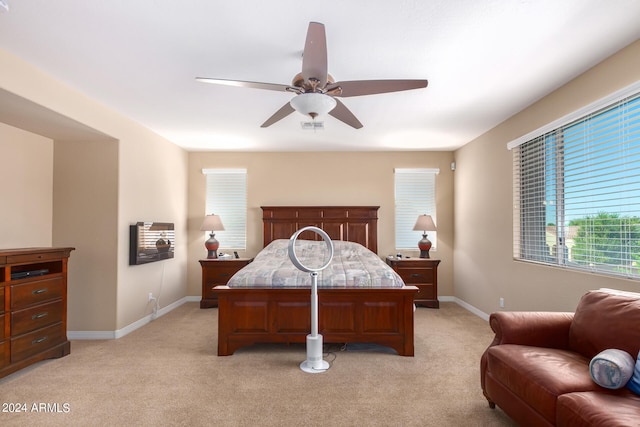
(313, 104)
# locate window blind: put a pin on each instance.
(577, 193)
(226, 195)
(415, 194)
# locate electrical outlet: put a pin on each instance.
(151, 298)
(501, 302)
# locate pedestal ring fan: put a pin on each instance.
(314, 363)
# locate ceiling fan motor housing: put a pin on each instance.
(299, 82)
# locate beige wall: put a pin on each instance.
(85, 213)
(323, 178)
(102, 169)
(484, 268)
(26, 172)
(152, 187)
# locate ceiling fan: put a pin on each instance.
(316, 90)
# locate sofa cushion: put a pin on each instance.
(612, 368)
(604, 319)
(539, 375)
(621, 409)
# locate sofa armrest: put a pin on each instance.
(540, 329)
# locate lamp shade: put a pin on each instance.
(424, 223)
(212, 223)
(313, 104)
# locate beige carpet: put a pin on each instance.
(167, 373)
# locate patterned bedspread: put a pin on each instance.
(353, 266)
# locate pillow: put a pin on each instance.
(634, 382)
(612, 368)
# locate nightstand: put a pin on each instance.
(217, 272)
(422, 273)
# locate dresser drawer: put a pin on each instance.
(37, 292)
(35, 257)
(416, 275)
(36, 342)
(218, 272)
(207, 291)
(221, 274)
(2, 323)
(427, 291)
(1, 300)
(23, 321)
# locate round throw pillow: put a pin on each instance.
(612, 368)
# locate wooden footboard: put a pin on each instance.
(255, 315)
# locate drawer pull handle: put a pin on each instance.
(39, 340)
(416, 275)
(39, 291)
(224, 274)
(39, 315)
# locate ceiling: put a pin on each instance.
(485, 61)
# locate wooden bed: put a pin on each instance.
(382, 316)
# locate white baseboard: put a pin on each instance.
(110, 335)
(471, 308)
(91, 335)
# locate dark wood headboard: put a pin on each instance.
(350, 223)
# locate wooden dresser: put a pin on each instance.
(420, 272)
(217, 272)
(33, 309)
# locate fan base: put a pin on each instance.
(309, 367)
(314, 363)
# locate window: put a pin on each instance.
(227, 196)
(577, 190)
(415, 194)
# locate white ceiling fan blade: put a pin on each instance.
(342, 113)
(372, 87)
(314, 58)
(279, 115)
(239, 83)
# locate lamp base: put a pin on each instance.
(212, 246)
(424, 245)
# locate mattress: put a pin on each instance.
(352, 266)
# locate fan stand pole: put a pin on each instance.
(314, 363)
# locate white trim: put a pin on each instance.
(110, 335)
(632, 89)
(223, 170)
(472, 309)
(91, 335)
(417, 170)
(466, 306)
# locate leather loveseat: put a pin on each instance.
(537, 367)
